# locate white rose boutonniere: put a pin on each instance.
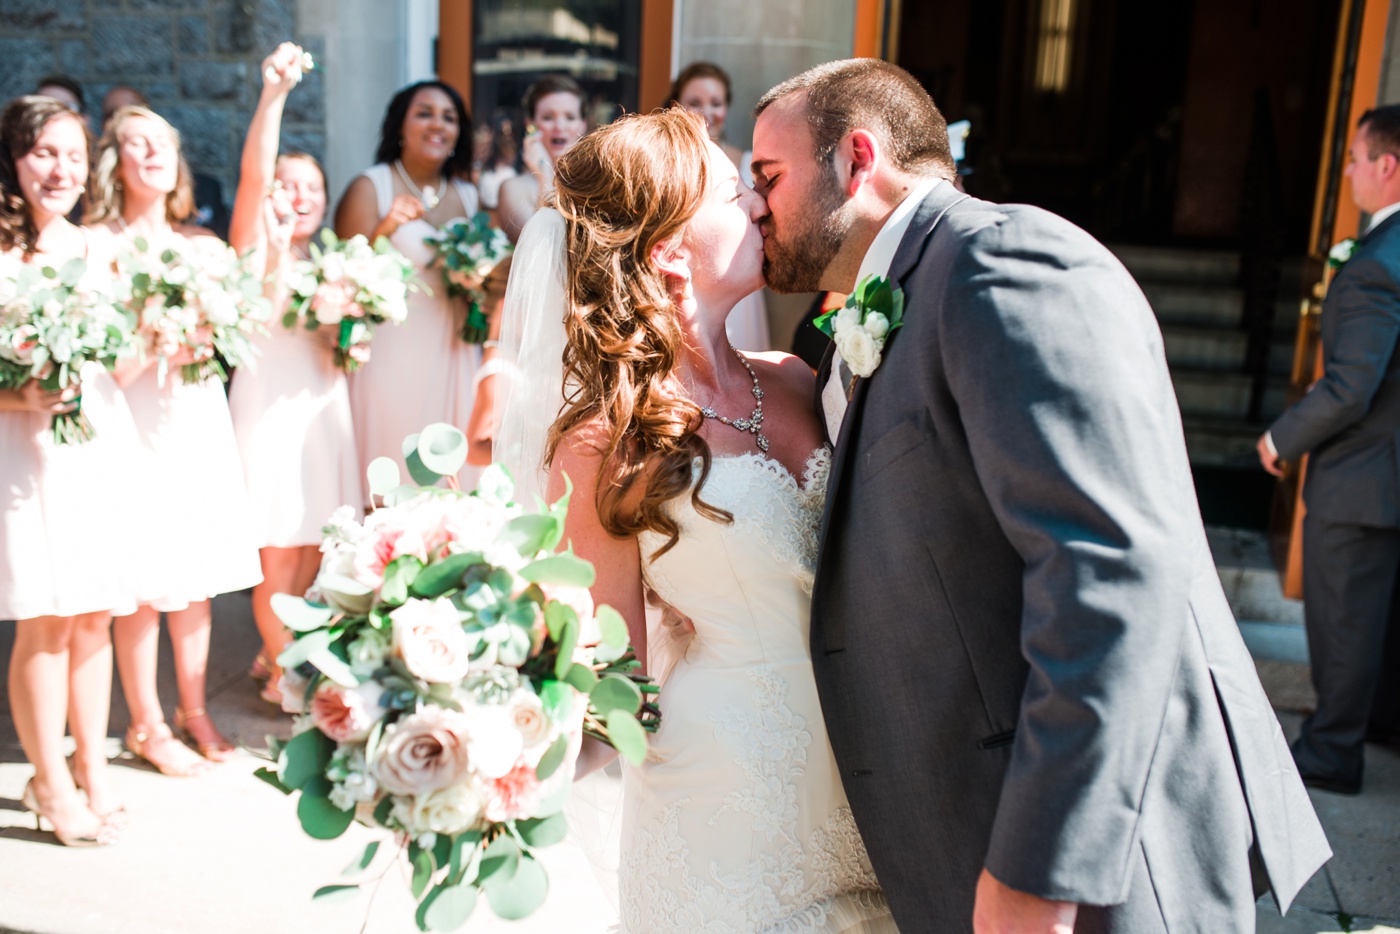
(861, 328)
(1339, 254)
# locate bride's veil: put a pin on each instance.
(530, 381)
(529, 397)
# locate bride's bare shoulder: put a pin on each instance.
(792, 373)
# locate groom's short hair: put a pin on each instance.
(871, 94)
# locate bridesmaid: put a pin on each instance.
(420, 371)
(291, 406)
(554, 107)
(63, 549)
(704, 88)
(198, 541)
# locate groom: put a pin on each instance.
(1043, 713)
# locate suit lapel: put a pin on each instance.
(911, 248)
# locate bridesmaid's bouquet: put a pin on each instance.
(467, 251)
(202, 299)
(447, 662)
(51, 327)
(353, 287)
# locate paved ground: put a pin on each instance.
(224, 853)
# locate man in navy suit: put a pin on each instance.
(1350, 423)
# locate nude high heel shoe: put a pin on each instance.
(106, 834)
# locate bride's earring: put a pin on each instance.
(681, 290)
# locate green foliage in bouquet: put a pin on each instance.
(452, 660)
(50, 327)
(353, 286)
(467, 251)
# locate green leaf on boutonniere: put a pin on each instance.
(872, 295)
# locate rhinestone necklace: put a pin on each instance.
(429, 196)
(754, 422)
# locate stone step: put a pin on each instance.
(1223, 349)
(1147, 263)
(1221, 442)
(1252, 585)
(1195, 305)
(1213, 393)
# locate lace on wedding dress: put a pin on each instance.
(741, 825)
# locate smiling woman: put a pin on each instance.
(422, 371)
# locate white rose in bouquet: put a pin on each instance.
(423, 752)
(428, 637)
(448, 811)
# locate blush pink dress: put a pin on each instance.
(66, 511)
(196, 528)
(291, 416)
(420, 371)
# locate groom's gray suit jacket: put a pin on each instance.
(1024, 654)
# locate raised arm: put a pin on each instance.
(280, 73)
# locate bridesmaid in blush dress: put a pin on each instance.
(64, 564)
(290, 406)
(420, 371)
(198, 540)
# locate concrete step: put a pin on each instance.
(1221, 267)
(1202, 348)
(1221, 442)
(1218, 306)
(1218, 394)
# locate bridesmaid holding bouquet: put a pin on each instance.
(291, 406)
(198, 539)
(421, 371)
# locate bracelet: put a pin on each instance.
(490, 345)
(489, 368)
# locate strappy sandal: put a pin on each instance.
(106, 833)
(261, 669)
(140, 740)
(220, 750)
(118, 818)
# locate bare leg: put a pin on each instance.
(137, 639)
(285, 570)
(38, 682)
(190, 631)
(89, 704)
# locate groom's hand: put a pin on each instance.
(1003, 910)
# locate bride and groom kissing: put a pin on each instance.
(957, 655)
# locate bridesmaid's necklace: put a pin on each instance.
(429, 196)
(754, 422)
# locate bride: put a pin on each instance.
(698, 472)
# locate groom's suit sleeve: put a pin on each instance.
(1057, 369)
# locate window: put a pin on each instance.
(1055, 43)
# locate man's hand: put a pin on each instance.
(1268, 456)
(1003, 910)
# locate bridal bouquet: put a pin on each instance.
(467, 251)
(50, 327)
(452, 660)
(354, 287)
(203, 299)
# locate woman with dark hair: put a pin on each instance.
(704, 88)
(291, 405)
(421, 371)
(64, 548)
(197, 537)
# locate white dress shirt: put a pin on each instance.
(878, 257)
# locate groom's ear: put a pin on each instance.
(861, 155)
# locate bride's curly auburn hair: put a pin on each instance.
(623, 190)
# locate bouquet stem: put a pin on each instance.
(72, 427)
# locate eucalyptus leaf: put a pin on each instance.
(499, 862)
(383, 474)
(362, 863)
(556, 615)
(299, 650)
(448, 907)
(558, 700)
(270, 776)
(319, 818)
(612, 626)
(465, 857)
(442, 449)
(553, 758)
(422, 862)
(398, 576)
(331, 894)
(298, 615)
(308, 753)
(627, 736)
(545, 831)
(583, 678)
(615, 692)
(529, 533)
(519, 896)
(333, 667)
(441, 576)
(561, 570)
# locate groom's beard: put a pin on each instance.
(796, 259)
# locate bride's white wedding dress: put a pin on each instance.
(737, 822)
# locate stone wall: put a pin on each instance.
(196, 60)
